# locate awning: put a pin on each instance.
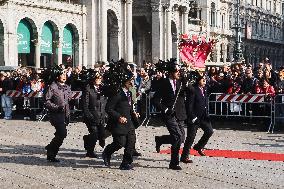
(24, 37)
(46, 38)
(67, 46)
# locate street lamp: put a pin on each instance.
(238, 53)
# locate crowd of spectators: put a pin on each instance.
(234, 79)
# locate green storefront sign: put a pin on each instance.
(46, 39)
(67, 46)
(24, 37)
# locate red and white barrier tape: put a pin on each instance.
(240, 98)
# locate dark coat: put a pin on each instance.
(118, 106)
(165, 97)
(93, 105)
(7, 84)
(58, 96)
(196, 104)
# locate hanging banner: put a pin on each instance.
(24, 37)
(46, 39)
(67, 46)
(195, 49)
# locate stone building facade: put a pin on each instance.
(32, 32)
(84, 32)
(262, 22)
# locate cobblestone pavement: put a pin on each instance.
(24, 165)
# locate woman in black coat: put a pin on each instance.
(94, 113)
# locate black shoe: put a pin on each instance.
(106, 159)
(102, 143)
(158, 145)
(201, 153)
(126, 167)
(186, 160)
(91, 155)
(135, 153)
(175, 167)
(52, 159)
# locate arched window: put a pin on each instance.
(213, 15)
(223, 21)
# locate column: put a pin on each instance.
(59, 55)
(225, 50)
(157, 32)
(37, 53)
(185, 20)
(129, 39)
(83, 45)
(218, 53)
(168, 49)
(89, 29)
(103, 30)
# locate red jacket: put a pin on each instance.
(268, 90)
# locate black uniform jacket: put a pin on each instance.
(196, 104)
(93, 105)
(118, 106)
(165, 97)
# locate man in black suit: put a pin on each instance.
(169, 99)
(122, 122)
(94, 113)
(197, 117)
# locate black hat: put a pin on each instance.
(115, 77)
(89, 75)
(161, 66)
(51, 75)
(172, 65)
(56, 71)
(194, 77)
(169, 66)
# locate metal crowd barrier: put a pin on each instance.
(150, 110)
(279, 110)
(242, 105)
(34, 101)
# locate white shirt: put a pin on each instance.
(173, 85)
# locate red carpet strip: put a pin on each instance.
(236, 154)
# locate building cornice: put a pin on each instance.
(51, 5)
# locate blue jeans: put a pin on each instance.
(7, 103)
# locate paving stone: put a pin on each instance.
(24, 165)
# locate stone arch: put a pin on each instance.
(2, 60)
(112, 36)
(49, 44)
(26, 47)
(141, 40)
(70, 49)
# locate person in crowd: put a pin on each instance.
(280, 84)
(270, 76)
(197, 117)
(57, 100)
(94, 112)
(265, 88)
(235, 83)
(122, 121)
(249, 82)
(170, 100)
(6, 84)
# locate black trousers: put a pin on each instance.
(176, 138)
(96, 132)
(59, 136)
(119, 141)
(206, 126)
(90, 140)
